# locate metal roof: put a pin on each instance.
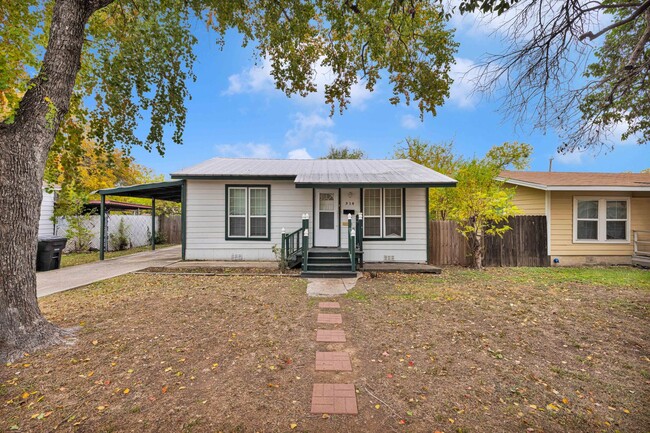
(320, 172)
(170, 190)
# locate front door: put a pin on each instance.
(327, 221)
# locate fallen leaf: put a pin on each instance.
(101, 408)
(25, 395)
(164, 389)
(377, 406)
(402, 421)
(126, 391)
(390, 376)
(293, 425)
(552, 407)
(95, 342)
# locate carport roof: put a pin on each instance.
(169, 190)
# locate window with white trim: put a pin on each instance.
(601, 219)
(383, 213)
(248, 212)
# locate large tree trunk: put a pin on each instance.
(24, 146)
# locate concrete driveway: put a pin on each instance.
(81, 275)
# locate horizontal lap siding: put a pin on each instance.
(45, 224)
(206, 219)
(414, 248)
(562, 225)
(530, 201)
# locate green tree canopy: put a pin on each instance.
(344, 152)
(480, 204)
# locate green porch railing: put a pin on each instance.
(294, 243)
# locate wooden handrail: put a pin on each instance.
(637, 243)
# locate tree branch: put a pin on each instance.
(632, 17)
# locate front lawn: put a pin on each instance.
(550, 350)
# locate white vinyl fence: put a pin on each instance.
(138, 230)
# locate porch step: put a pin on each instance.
(319, 267)
(329, 260)
(328, 254)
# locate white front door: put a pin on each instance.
(326, 227)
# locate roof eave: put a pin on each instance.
(575, 187)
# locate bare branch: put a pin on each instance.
(616, 24)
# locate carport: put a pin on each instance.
(174, 191)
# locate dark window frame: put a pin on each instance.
(248, 216)
(382, 218)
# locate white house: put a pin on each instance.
(45, 223)
(237, 209)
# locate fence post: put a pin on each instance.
(305, 249)
(283, 254)
(153, 224)
(102, 226)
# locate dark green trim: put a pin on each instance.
(268, 213)
(153, 224)
(233, 177)
(313, 215)
(339, 217)
(426, 219)
(102, 227)
(183, 219)
(383, 238)
(375, 185)
(169, 190)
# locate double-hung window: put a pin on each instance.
(247, 212)
(383, 213)
(601, 219)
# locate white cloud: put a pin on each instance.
(307, 127)
(252, 80)
(570, 158)
(462, 92)
(409, 121)
(246, 150)
(258, 79)
(299, 154)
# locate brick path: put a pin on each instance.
(332, 398)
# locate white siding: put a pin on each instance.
(206, 220)
(206, 234)
(45, 224)
(414, 247)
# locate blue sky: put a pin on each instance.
(235, 111)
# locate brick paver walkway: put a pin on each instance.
(330, 336)
(334, 398)
(333, 361)
(330, 318)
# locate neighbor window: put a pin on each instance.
(601, 219)
(383, 213)
(248, 212)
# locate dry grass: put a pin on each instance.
(504, 350)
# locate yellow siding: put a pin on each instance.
(562, 224)
(530, 201)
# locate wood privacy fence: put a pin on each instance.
(169, 227)
(524, 245)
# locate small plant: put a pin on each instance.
(282, 261)
(120, 239)
(78, 233)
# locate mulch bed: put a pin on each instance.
(451, 353)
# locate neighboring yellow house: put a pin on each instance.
(592, 218)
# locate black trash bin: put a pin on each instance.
(50, 249)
